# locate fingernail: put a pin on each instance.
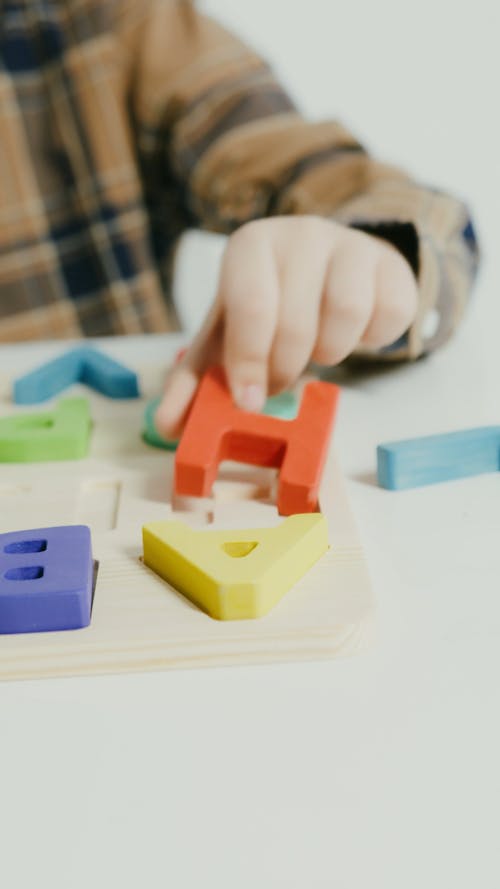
(250, 398)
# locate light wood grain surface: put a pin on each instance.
(139, 623)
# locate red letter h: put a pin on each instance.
(217, 430)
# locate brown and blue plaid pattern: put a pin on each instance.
(124, 122)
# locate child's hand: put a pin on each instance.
(291, 290)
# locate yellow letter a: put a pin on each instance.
(235, 574)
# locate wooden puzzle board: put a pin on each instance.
(139, 623)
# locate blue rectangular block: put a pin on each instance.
(438, 458)
(46, 579)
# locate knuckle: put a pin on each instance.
(347, 313)
(334, 344)
(389, 323)
(256, 310)
(328, 353)
(399, 319)
(308, 223)
(249, 317)
(247, 231)
(281, 379)
(285, 369)
(323, 354)
(248, 372)
(313, 232)
(245, 354)
(291, 336)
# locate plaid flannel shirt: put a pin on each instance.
(124, 122)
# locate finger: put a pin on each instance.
(183, 378)
(348, 299)
(396, 299)
(301, 286)
(249, 292)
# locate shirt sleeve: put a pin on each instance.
(240, 150)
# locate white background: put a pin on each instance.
(381, 770)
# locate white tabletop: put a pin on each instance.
(372, 771)
(375, 772)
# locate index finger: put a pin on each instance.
(249, 291)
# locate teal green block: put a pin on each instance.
(60, 434)
(150, 433)
(285, 405)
